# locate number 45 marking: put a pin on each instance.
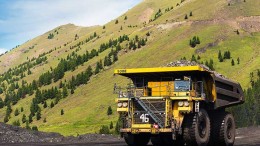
(144, 118)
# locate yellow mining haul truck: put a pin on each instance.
(182, 105)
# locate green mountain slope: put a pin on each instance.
(232, 25)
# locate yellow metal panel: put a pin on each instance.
(186, 109)
(159, 69)
(187, 98)
(122, 109)
(141, 125)
(164, 88)
(180, 98)
(154, 97)
(121, 99)
(162, 130)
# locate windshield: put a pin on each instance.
(181, 85)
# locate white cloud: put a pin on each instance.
(30, 18)
(2, 50)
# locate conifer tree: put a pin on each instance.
(232, 62)
(62, 112)
(45, 104)
(24, 118)
(109, 110)
(1, 103)
(30, 118)
(186, 16)
(27, 125)
(111, 125)
(38, 114)
(64, 92)
(16, 112)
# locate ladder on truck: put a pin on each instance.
(150, 111)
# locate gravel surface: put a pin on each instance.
(13, 134)
(186, 63)
(16, 136)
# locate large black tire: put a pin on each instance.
(196, 129)
(136, 139)
(223, 129)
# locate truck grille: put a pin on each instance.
(140, 116)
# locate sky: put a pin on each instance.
(22, 20)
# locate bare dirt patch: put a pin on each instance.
(146, 15)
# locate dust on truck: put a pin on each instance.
(183, 105)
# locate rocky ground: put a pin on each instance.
(16, 136)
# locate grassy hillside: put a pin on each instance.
(216, 23)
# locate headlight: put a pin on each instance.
(125, 104)
(119, 104)
(186, 103)
(180, 103)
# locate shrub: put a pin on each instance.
(35, 128)
(104, 130)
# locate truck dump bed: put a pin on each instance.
(221, 91)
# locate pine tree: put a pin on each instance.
(45, 104)
(232, 62)
(115, 57)
(220, 58)
(104, 27)
(111, 125)
(211, 64)
(193, 58)
(125, 17)
(27, 125)
(38, 114)
(61, 84)
(190, 13)
(8, 110)
(16, 112)
(30, 118)
(64, 92)
(109, 110)
(1, 103)
(197, 40)
(97, 68)
(118, 125)
(62, 112)
(6, 119)
(24, 118)
(1, 90)
(52, 104)
(21, 109)
(186, 16)
(44, 120)
(238, 60)
(116, 22)
(198, 58)
(72, 91)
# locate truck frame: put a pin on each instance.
(182, 105)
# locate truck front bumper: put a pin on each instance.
(146, 130)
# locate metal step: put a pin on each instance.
(150, 112)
